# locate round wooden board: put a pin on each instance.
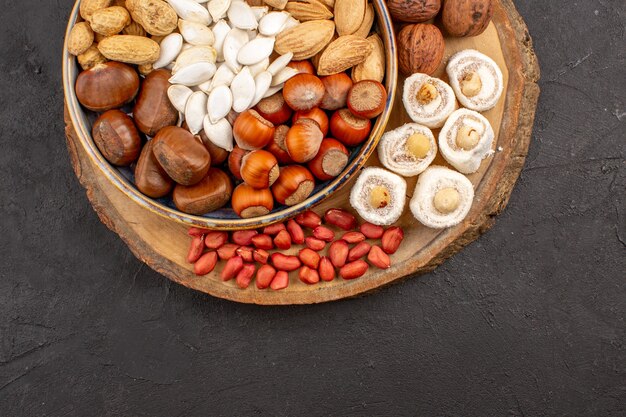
(163, 244)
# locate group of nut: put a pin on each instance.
(242, 251)
(271, 95)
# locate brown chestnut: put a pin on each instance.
(150, 178)
(117, 137)
(153, 109)
(107, 86)
(211, 193)
(181, 155)
(218, 155)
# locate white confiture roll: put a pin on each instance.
(439, 188)
(453, 143)
(424, 107)
(476, 79)
(395, 154)
(370, 184)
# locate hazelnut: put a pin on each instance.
(467, 138)
(420, 49)
(447, 200)
(466, 17)
(380, 197)
(471, 84)
(427, 93)
(418, 145)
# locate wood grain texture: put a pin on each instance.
(163, 244)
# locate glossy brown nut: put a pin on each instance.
(117, 137)
(150, 178)
(218, 155)
(181, 155)
(153, 109)
(210, 194)
(107, 86)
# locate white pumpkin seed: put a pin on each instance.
(195, 111)
(234, 41)
(170, 48)
(256, 50)
(218, 8)
(259, 11)
(190, 10)
(220, 103)
(259, 67)
(283, 75)
(280, 63)
(223, 76)
(195, 33)
(220, 133)
(261, 85)
(178, 95)
(194, 55)
(290, 23)
(243, 90)
(194, 74)
(241, 16)
(220, 30)
(272, 23)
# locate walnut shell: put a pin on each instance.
(413, 11)
(466, 17)
(420, 49)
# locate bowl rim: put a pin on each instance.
(70, 68)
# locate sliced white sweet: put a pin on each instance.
(218, 8)
(220, 30)
(190, 10)
(466, 161)
(395, 156)
(470, 61)
(433, 113)
(261, 83)
(360, 196)
(284, 75)
(241, 16)
(256, 50)
(235, 40)
(259, 67)
(220, 133)
(432, 181)
(194, 55)
(194, 74)
(178, 95)
(259, 11)
(195, 110)
(220, 103)
(272, 23)
(196, 33)
(223, 76)
(243, 89)
(170, 47)
(280, 63)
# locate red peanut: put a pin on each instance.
(283, 240)
(315, 244)
(243, 237)
(353, 237)
(262, 242)
(280, 281)
(324, 233)
(309, 258)
(246, 253)
(274, 229)
(215, 240)
(195, 249)
(372, 231)
(309, 219)
(392, 238)
(194, 231)
(261, 256)
(354, 270)
(379, 258)
(244, 277)
(308, 276)
(340, 218)
(264, 276)
(326, 269)
(285, 263)
(338, 253)
(359, 251)
(227, 251)
(296, 232)
(232, 268)
(205, 264)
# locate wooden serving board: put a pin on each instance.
(163, 244)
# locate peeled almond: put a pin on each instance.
(220, 30)
(220, 133)
(191, 10)
(256, 50)
(280, 63)
(194, 74)
(262, 84)
(178, 95)
(171, 46)
(272, 23)
(218, 8)
(241, 16)
(220, 103)
(243, 89)
(195, 111)
(195, 33)
(235, 40)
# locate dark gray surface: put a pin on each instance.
(527, 321)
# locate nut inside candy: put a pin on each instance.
(471, 84)
(418, 145)
(447, 200)
(427, 93)
(467, 138)
(380, 197)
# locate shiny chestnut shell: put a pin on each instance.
(153, 109)
(117, 137)
(107, 86)
(211, 193)
(150, 178)
(181, 155)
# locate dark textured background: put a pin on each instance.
(527, 321)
